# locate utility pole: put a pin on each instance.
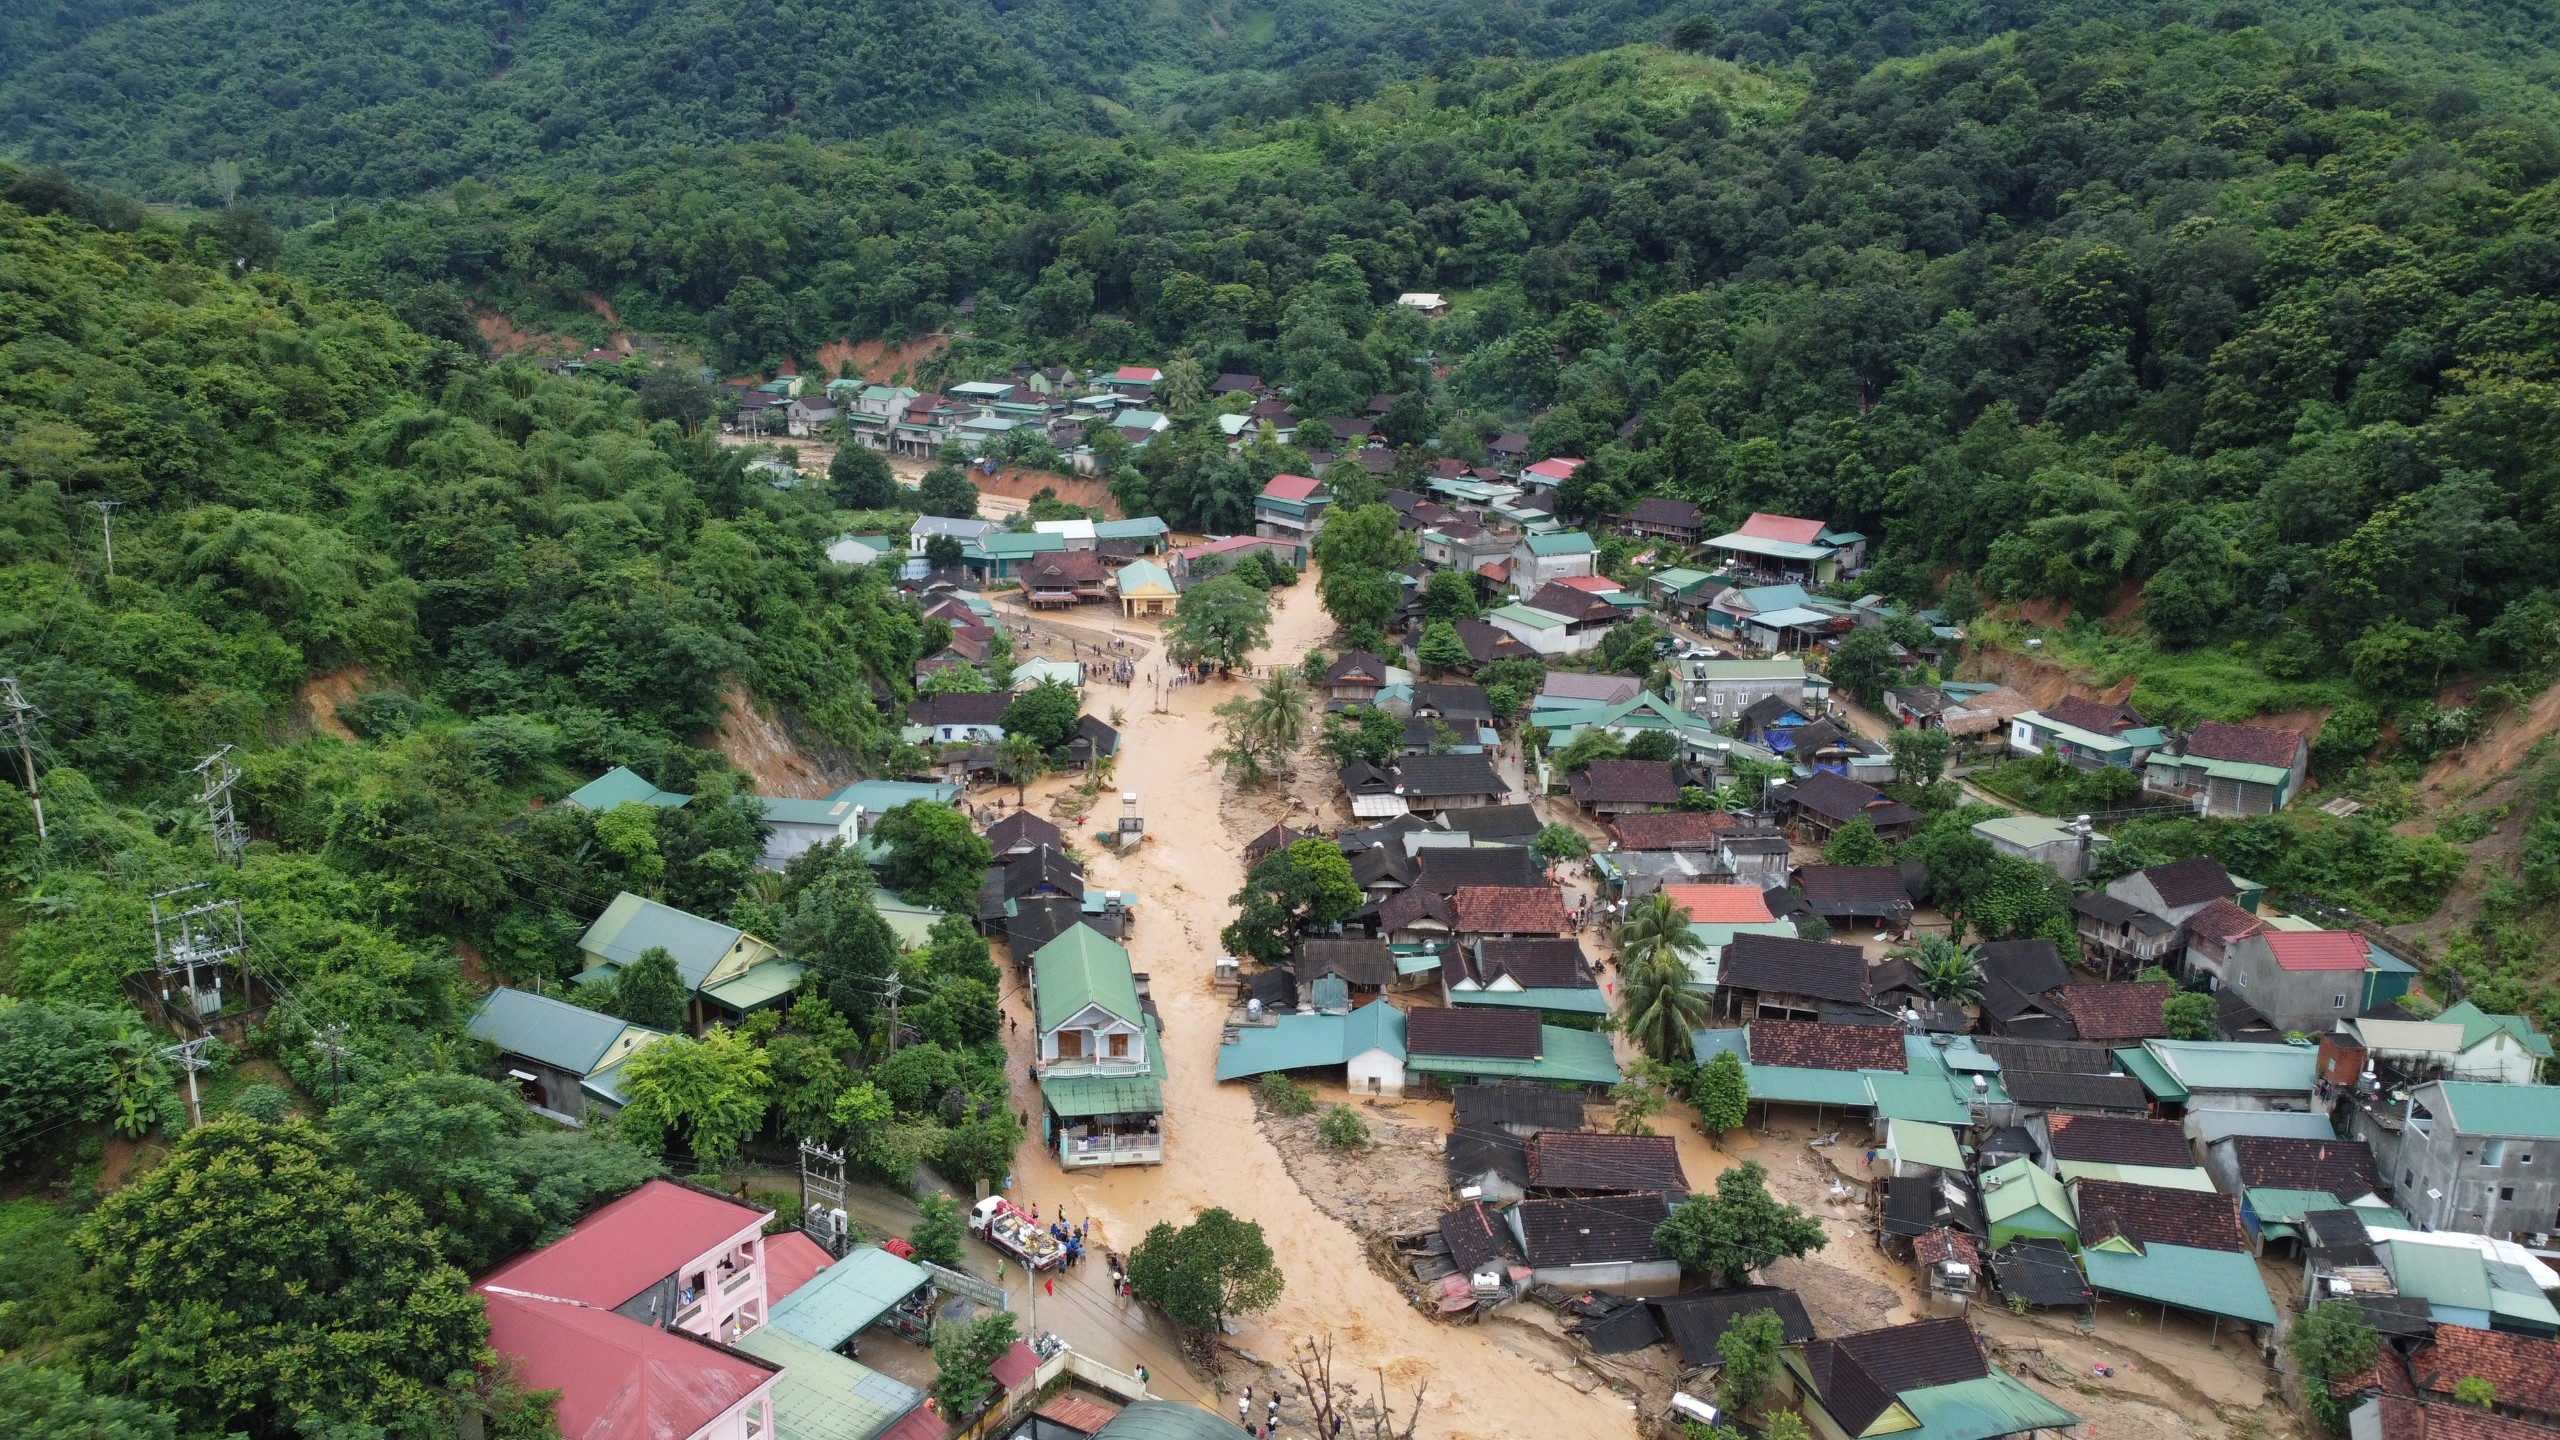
(186, 941)
(230, 838)
(895, 989)
(106, 522)
(329, 1042)
(189, 1055)
(20, 722)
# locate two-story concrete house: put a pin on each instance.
(1101, 1090)
(2480, 1157)
(1537, 559)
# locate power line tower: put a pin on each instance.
(107, 525)
(822, 1190)
(18, 719)
(192, 943)
(189, 1056)
(218, 774)
(331, 1041)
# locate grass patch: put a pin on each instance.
(2169, 687)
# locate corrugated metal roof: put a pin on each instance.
(619, 786)
(1165, 1420)
(1080, 968)
(1576, 1056)
(2019, 1186)
(618, 1379)
(629, 1245)
(848, 1296)
(632, 924)
(2209, 1282)
(1300, 1042)
(2239, 1065)
(554, 1032)
(761, 985)
(2158, 1177)
(823, 1395)
(2482, 1108)
(1997, 1404)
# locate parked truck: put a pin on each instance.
(996, 1221)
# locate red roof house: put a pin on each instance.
(620, 1379)
(1782, 527)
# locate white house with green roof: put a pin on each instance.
(1541, 632)
(1101, 1086)
(727, 971)
(2502, 1048)
(550, 1050)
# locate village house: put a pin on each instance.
(1354, 678)
(1571, 1163)
(1662, 518)
(1146, 590)
(2523, 1371)
(634, 1318)
(1818, 805)
(1928, 1380)
(2181, 1248)
(1537, 559)
(969, 718)
(1603, 1244)
(1772, 977)
(1624, 787)
(2466, 1158)
(2300, 979)
(563, 1059)
(1718, 688)
(1788, 550)
(1100, 1086)
(1065, 579)
(1432, 304)
(2114, 1014)
(622, 786)
(2230, 771)
(2065, 847)
(1431, 784)
(1470, 1045)
(727, 972)
(1681, 591)
(872, 410)
(1543, 632)
(1366, 1044)
(1548, 975)
(966, 532)
(2086, 734)
(1291, 508)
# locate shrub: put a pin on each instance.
(1287, 1096)
(1343, 1129)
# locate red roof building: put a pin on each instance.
(1782, 527)
(1721, 904)
(2318, 949)
(1292, 487)
(620, 1379)
(695, 1243)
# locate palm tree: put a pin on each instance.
(1278, 714)
(1023, 761)
(1656, 1007)
(1656, 926)
(1946, 971)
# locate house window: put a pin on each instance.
(2493, 1153)
(2337, 1002)
(1070, 1044)
(2525, 1159)
(2506, 1192)
(2407, 1179)
(1119, 1047)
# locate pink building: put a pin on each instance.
(631, 1317)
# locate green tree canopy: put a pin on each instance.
(651, 991)
(858, 478)
(254, 1284)
(1855, 843)
(1203, 1273)
(1219, 622)
(1739, 1228)
(706, 1094)
(1047, 713)
(1307, 884)
(946, 491)
(1722, 1094)
(935, 856)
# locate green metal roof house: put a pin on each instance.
(2019, 1199)
(621, 786)
(2221, 1283)
(549, 1049)
(821, 1395)
(708, 954)
(1100, 1082)
(1928, 1380)
(849, 1296)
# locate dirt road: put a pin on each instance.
(1215, 1154)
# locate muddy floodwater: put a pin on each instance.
(1215, 1154)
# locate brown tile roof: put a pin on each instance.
(2119, 1141)
(1357, 665)
(1808, 1046)
(1486, 643)
(1589, 1161)
(1022, 829)
(1833, 796)
(2523, 1369)
(2344, 1168)
(2128, 1011)
(1857, 1376)
(1671, 829)
(1626, 782)
(1061, 569)
(1658, 510)
(1603, 1230)
(1425, 777)
(1278, 837)
(2224, 921)
(1406, 908)
(1473, 1034)
(1774, 964)
(1359, 962)
(2404, 1419)
(970, 709)
(2246, 744)
(1946, 1243)
(2030, 967)
(1854, 890)
(1476, 1235)
(1571, 602)
(1448, 869)
(2191, 881)
(1536, 964)
(2084, 713)
(2387, 1375)
(2149, 1215)
(1510, 910)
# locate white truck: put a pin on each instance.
(996, 1221)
